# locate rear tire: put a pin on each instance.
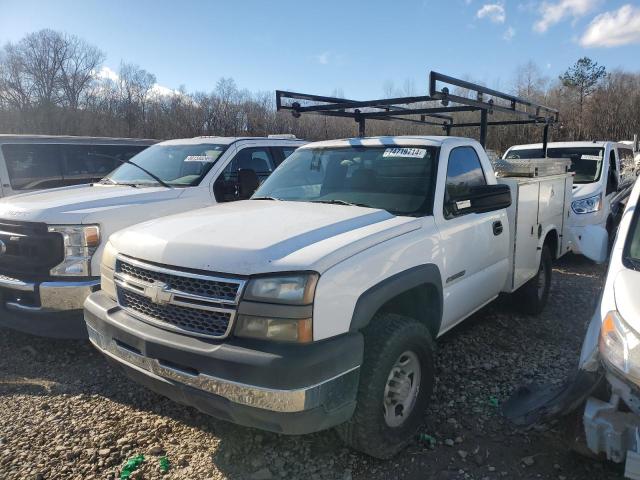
(396, 381)
(532, 297)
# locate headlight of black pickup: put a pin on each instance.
(274, 321)
(80, 243)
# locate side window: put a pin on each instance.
(282, 153)
(627, 165)
(464, 172)
(258, 159)
(90, 163)
(612, 178)
(33, 166)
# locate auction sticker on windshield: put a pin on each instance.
(199, 158)
(405, 152)
(591, 157)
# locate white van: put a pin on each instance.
(604, 175)
(37, 162)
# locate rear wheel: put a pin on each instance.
(532, 296)
(396, 381)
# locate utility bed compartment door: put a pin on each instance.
(552, 201)
(526, 253)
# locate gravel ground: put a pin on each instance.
(64, 413)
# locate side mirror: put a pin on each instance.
(248, 183)
(480, 199)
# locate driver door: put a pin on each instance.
(474, 245)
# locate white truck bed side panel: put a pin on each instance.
(526, 242)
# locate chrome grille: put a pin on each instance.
(203, 322)
(224, 291)
(186, 302)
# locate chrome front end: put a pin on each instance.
(58, 296)
(275, 400)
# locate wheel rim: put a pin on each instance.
(542, 280)
(401, 390)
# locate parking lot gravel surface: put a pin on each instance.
(65, 413)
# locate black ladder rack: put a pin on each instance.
(413, 109)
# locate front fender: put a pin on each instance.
(375, 297)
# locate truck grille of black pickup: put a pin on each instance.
(186, 302)
(30, 250)
(204, 322)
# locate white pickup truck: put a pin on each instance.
(51, 242)
(317, 302)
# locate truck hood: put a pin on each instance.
(583, 190)
(261, 236)
(72, 205)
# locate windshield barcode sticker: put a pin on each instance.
(405, 152)
(198, 158)
(591, 157)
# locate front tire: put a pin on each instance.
(532, 296)
(396, 381)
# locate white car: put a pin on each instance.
(604, 174)
(51, 241)
(608, 377)
(317, 302)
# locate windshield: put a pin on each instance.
(176, 165)
(586, 162)
(399, 180)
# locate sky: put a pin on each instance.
(354, 46)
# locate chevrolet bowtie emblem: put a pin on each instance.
(158, 293)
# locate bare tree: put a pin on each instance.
(78, 70)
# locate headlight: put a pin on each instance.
(107, 269)
(291, 289)
(278, 329)
(587, 205)
(619, 346)
(80, 243)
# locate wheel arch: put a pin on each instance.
(552, 240)
(416, 292)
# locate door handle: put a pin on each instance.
(497, 228)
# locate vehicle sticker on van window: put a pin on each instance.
(405, 152)
(199, 158)
(591, 157)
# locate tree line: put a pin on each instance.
(54, 83)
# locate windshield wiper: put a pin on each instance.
(341, 202)
(267, 198)
(129, 162)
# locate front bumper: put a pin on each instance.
(49, 309)
(592, 241)
(291, 389)
(610, 429)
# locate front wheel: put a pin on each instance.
(533, 295)
(396, 381)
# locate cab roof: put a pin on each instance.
(227, 140)
(12, 138)
(390, 141)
